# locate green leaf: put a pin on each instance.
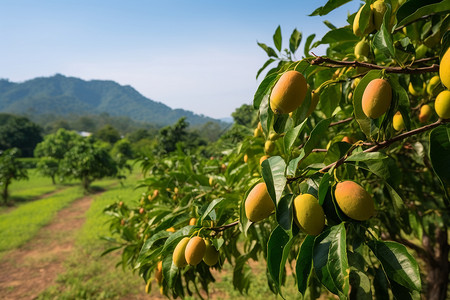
(380, 284)
(270, 52)
(328, 7)
(294, 41)
(360, 286)
(308, 42)
(265, 115)
(215, 203)
(291, 135)
(329, 24)
(363, 121)
(304, 263)
(277, 38)
(364, 17)
(403, 103)
(362, 156)
(268, 62)
(316, 135)
(174, 238)
(398, 264)
(278, 249)
(273, 174)
(382, 40)
(439, 153)
(284, 212)
(415, 9)
(323, 187)
(330, 98)
(264, 88)
(340, 35)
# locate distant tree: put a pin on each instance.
(57, 144)
(54, 126)
(210, 131)
(19, 132)
(139, 134)
(49, 167)
(244, 115)
(122, 152)
(108, 134)
(170, 136)
(10, 169)
(87, 162)
(86, 123)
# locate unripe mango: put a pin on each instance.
(315, 97)
(263, 158)
(421, 51)
(211, 254)
(288, 93)
(178, 257)
(444, 69)
(362, 50)
(195, 250)
(415, 92)
(269, 146)
(433, 85)
(370, 27)
(257, 132)
(442, 105)
(258, 204)
(309, 214)
(378, 9)
(425, 113)
(158, 272)
(376, 98)
(397, 122)
(354, 200)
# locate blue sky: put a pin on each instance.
(196, 55)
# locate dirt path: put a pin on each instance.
(30, 269)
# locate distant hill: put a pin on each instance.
(61, 95)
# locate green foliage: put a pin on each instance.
(350, 259)
(108, 134)
(170, 136)
(244, 115)
(49, 167)
(56, 145)
(10, 169)
(19, 132)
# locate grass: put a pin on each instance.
(88, 275)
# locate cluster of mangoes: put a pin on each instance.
(192, 251)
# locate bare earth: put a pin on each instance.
(30, 269)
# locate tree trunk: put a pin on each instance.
(438, 269)
(53, 179)
(86, 183)
(5, 193)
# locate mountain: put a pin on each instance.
(61, 95)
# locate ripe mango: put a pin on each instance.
(425, 113)
(288, 93)
(442, 105)
(354, 200)
(370, 27)
(258, 204)
(415, 92)
(444, 69)
(362, 50)
(376, 98)
(158, 272)
(171, 229)
(211, 254)
(178, 257)
(211, 181)
(269, 146)
(245, 158)
(309, 214)
(348, 139)
(192, 221)
(263, 158)
(397, 121)
(195, 250)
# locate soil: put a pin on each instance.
(33, 267)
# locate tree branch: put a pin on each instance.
(341, 122)
(387, 143)
(223, 227)
(407, 70)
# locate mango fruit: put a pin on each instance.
(263, 158)
(378, 9)
(355, 82)
(397, 122)
(376, 98)
(362, 50)
(288, 93)
(211, 254)
(356, 28)
(178, 257)
(415, 92)
(195, 250)
(354, 200)
(192, 221)
(433, 85)
(425, 113)
(444, 69)
(258, 204)
(269, 146)
(442, 104)
(158, 272)
(309, 214)
(348, 139)
(245, 158)
(211, 181)
(171, 229)
(421, 51)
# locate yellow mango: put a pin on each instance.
(376, 98)
(397, 122)
(258, 204)
(309, 214)
(444, 69)
(288, 93)
(442, 105)
(178, 257)
(370, 27)
(211, 254)
(425, 113)
(354, 200)
(195, 250)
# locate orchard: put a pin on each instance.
(343, 179)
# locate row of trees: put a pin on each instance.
(399, 249)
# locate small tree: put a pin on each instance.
(48, 166)
(87, 161)
(10, 169)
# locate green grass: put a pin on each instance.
(19, 225)
(90, 276)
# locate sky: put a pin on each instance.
(198, 55)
